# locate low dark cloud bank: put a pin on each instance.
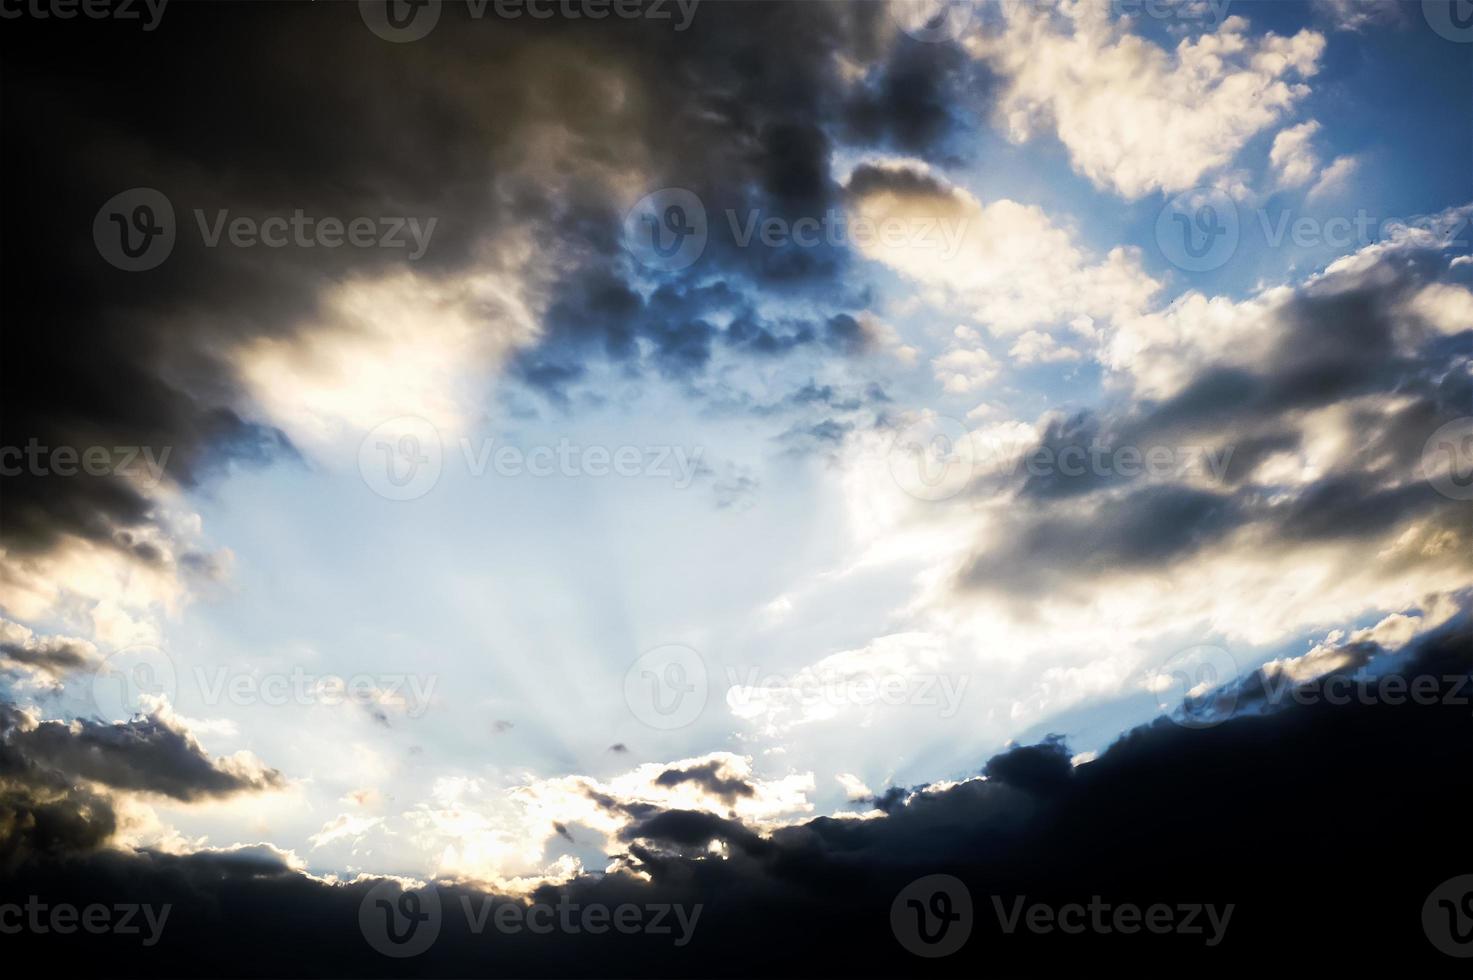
(1325, 822)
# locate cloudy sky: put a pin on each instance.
(542, 448)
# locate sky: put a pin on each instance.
(543, 454)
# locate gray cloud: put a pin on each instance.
(1345, 341)
(148, 755)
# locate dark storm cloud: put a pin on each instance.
(869, 180)
(1148, 527)
(49, 805)
(486, 125)
(912, 103)
(1040, 769)
(56, 823)
(708, 776)
(1346, 341)
(54, 656)
(1332, 342)
(890, 800)
(691, 831)
(141, 755)
(43, 812)
(1282, 813)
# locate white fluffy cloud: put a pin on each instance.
(1134, 117)
(1334, 178)
(1293, 155)
(1013, 269)
(500, 836)
(399, 346)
